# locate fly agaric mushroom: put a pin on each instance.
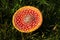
(27, 19)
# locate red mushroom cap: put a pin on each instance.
(27, 19)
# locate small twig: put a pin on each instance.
(55, 27)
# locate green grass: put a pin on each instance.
(49, 30)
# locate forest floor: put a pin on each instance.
(49, 30)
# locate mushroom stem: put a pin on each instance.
(22, 36)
